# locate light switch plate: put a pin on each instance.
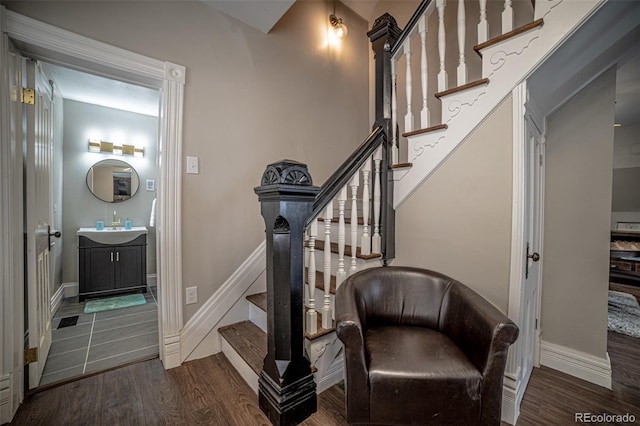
(192, 295)
(192, 165)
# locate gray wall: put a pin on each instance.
(575, 279)
(250, 99)
(626, 175)
(81, 209)
(459, 221)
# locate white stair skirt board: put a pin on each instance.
(505, 64)
(211, 314)
(578, 364)
(239, 364)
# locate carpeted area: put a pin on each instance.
(624, 314)
(111, 303)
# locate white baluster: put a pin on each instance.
(394, 112)
(365, 245)
(462, 31)
(312, 315)
(408, 118)
(326, 307)
(483, 25)
(425, 116)
(507, 17)
(376, 240)
(443, 79)
(341, 274)
(355, 182)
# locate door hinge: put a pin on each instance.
(540, 159)
(28, 96)
(30, 355)
(536, 323)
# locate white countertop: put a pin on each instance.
(108, 235)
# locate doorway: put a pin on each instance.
(87, 188)
(46, 42)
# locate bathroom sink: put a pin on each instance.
(108, 235)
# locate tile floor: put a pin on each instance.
(101, 340)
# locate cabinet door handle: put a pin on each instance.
(112, 256)
(117, 256)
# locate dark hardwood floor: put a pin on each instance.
(210, 392)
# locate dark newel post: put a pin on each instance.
(287, 391)
(383, 36)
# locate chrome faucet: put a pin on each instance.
(115, 222)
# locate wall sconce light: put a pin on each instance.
(339, 28)
(100, 146)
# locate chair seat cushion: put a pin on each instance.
(419, 376)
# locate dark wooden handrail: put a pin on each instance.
(412, 23)
(345, 172)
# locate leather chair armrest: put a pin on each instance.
(350, 331)
(484, 334)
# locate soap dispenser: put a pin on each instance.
(127, 224)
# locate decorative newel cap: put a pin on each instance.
(286, 172)
(384, 25)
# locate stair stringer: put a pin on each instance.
(199, 337)
(505, 64)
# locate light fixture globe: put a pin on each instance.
(339, 28)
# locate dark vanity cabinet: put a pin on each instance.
(107, 269)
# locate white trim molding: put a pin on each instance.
(66, 48)
(576, 363)
(71, 289)
(56, 299)
(216, 307)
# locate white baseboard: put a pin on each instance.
(6, 411)
(216, 307)
(56, 299)
(510, 402)
(578, 364)
(71, 289)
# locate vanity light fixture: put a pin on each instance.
(339, 28)
(101, 146)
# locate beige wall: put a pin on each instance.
(575, 279)
(250, 99)
(459, 221)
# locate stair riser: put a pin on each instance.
(239, 364)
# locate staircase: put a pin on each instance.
(351, 224)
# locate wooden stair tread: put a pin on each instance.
(347, 220)
(249, 341)
(347, 251)
(401, 165)
(464, 87)
(321, 331)
(320, 281)
(506, 36)
(426, 130)
(259, 299)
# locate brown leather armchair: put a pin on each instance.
(420, 348)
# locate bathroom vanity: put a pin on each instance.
(112, 261)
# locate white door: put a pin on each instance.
(38, 164)
(534, 156)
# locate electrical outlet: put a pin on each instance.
(192, 295)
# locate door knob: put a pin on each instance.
(534, 257)
(56, 234)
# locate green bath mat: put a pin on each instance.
(114, 303)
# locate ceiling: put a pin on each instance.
(263, 15)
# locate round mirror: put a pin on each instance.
(113, 181)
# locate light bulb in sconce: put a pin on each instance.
(339, 28)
